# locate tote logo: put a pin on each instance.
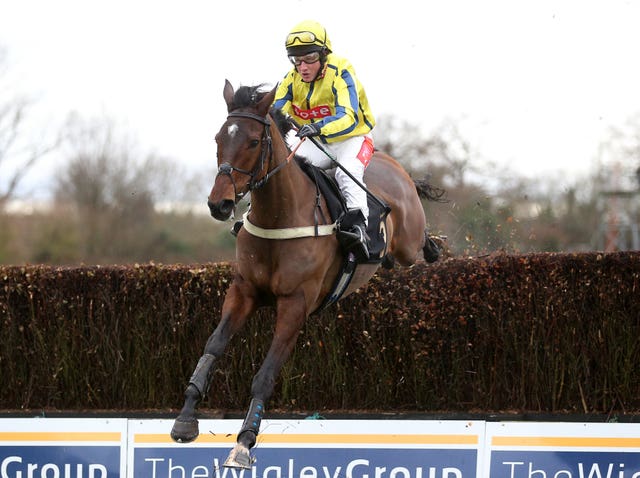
(313, 113)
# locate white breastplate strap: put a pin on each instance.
(289, 232)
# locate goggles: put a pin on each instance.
(306, 38)
(309, 58)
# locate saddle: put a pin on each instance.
(376, 227)
(376, 230)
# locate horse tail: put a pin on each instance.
(428, 191)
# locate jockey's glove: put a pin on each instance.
(311, 129)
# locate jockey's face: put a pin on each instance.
(309, 71)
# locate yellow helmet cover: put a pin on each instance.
(307, 36)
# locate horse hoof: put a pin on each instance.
(239, 458)
(185, 431)
(388, 261)
(431, 251)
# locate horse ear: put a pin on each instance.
(228, 94)
(265, 103)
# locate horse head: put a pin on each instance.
(244, 148)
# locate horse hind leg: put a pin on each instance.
(431, 251)
(406, 248)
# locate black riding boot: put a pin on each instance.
(353, 234)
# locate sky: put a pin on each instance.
(536, 85)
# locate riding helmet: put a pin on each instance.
(306, 37)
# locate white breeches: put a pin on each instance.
(347, 153)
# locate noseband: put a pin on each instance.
(265, 154)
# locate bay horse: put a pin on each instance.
(293, 274)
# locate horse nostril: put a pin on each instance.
(226, 207)
(221, 210)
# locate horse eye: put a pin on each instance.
(253, 143)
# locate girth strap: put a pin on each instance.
(288, 232)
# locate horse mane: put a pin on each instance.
(282, 121)
(248, 96)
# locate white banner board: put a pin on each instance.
(62, 448)
(313, 449)
(562, 450)
(129, 448)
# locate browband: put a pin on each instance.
(259, 118)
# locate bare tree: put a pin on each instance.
(111, 188)
(445, 154)
(18, 155)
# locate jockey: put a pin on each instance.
(322, 93)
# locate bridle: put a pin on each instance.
(266, 153)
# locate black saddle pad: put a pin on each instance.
(376, 227)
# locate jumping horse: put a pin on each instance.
(294, 274)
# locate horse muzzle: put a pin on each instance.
(221, 210)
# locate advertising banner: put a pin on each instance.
(114, 448)
(562, 450)
(62, 448)
(312, 449)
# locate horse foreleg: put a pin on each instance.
(291, 313)
(239, 304)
